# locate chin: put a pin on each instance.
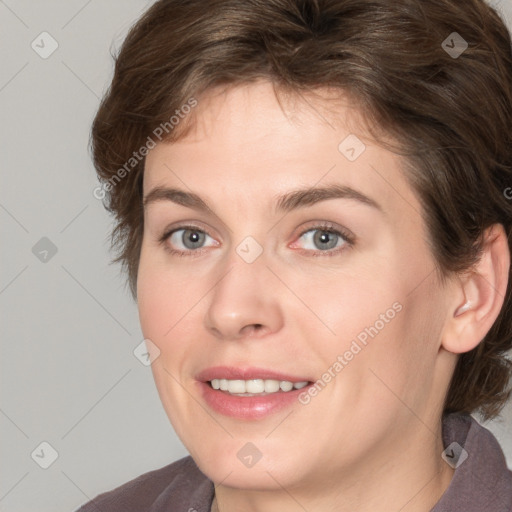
(242, 466)
(254, 479)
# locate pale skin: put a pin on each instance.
(371, 440)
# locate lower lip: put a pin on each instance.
(249, 407)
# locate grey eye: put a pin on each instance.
(188, 239)
(322, 239)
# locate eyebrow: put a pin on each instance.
(292, 200)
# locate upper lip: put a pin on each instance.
(246, 373)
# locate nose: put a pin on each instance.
(244, 302)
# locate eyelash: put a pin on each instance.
(326, 227)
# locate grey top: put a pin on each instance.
(481, 482)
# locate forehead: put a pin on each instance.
(268, 107)
(249, 143)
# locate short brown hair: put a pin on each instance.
(450, 111)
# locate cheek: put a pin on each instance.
(400, 361)
(375, 322)
(154, 302)
(356, 306)
(161, 297)
(171, 308)
(153, 307)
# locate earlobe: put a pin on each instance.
(479, 295)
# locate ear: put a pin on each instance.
(479, 295)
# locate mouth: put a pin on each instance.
(250, 393)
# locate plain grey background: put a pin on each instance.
(69, 376)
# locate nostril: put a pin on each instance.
(254, 330)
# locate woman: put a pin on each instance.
(311, 204)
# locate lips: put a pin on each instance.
(248, 373)
(249, 406)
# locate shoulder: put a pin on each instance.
(482, 480)
(178, 486)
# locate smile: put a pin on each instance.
(254, 387)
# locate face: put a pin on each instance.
(253, 280)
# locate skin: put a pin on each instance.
(371, 439)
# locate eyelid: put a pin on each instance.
(330, 227)
(168, 231)
(172, 229)
(345, 233)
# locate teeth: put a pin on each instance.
(252, 386)
(255, 386)
(271, 386)
(285, 385)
